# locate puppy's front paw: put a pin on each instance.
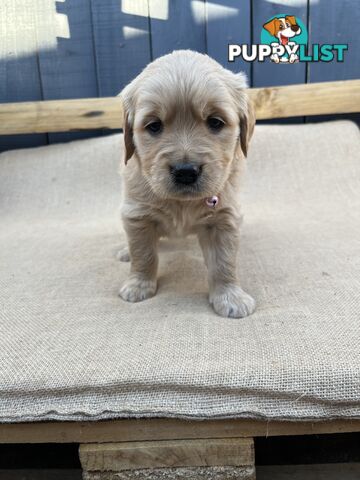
(232, 301)
(123, 255)
(136, 289)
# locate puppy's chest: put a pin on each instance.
(183, 221)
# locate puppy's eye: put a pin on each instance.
(281, 27)
(215, 124)
(154, 127)
(287, 24)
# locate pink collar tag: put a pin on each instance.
(212, 201)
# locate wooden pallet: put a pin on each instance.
(170, 448)
(161, 448)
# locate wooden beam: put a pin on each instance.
(205, 459)
(129, 430)
(61, 115)
(306, 99)
(97, 113)
(173, 453)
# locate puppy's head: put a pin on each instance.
(187, 119)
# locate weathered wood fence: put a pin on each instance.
(91, 48)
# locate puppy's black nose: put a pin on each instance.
(295, 28)
(185, 173)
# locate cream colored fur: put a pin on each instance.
(182, 90)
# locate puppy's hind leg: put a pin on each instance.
(220, 245)
(143, 239)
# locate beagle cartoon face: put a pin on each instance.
(283, 28)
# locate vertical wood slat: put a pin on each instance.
(19, 73)
(177, 24)
(228, 22)
(122, 42)
(67, 70)
(335, 22)
(269, 74)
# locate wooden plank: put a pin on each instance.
(268, 73)
(129, 430)
(161, 454)
(67, 71)
(61, 115)
(228, 22)
(335, 22)
(181, 25)
(92, 113)
(310, 99)
(19, 73)
(122, 42)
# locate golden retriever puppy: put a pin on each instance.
(187, 126)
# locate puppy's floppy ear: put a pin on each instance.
(128, 95)
(291, 19)
(272, 26)
(247, 124)
(237, 84)
(128, 138)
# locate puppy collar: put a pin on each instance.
(212, 202)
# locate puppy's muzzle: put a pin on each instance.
(185, 173)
